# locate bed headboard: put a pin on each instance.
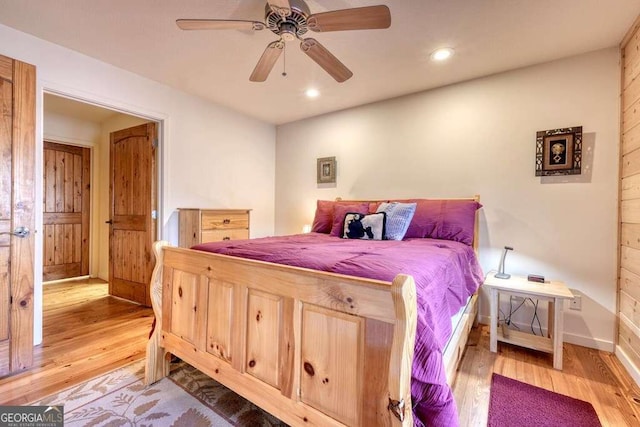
(475, 198)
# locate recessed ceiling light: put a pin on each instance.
(312, 93)
(442, 54)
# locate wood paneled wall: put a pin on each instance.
(629, 272)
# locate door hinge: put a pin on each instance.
(154, 142)
(154, 214)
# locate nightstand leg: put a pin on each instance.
(493, 338)
(557, 333)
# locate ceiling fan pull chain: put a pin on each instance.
(284, 61)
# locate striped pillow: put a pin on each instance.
(398, 218)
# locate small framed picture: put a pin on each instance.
(559, 151)
(326, 170)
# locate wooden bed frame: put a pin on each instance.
(311, 348)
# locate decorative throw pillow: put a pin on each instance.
(323, 220)
(398, 218)
(340, 210)
(444, 219)
(366, 227)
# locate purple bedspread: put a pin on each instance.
(446, 274)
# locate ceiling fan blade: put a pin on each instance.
(267, 61)
(219, 24)
(360, 18)
(326, 60)
(281, 7)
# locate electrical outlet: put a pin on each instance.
(576, 303)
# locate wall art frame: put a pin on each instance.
(559, 151)
(326, 170)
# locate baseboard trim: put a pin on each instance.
(631, 368)
(580, 340)
(68, 279)
(590, 342)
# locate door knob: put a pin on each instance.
(21, 232)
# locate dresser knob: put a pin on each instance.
(226, 221)
(226, 238)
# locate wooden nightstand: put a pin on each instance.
(552, 291)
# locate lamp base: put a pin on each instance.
(501, 275)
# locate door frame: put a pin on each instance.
(163, 122)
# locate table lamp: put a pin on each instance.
(501, 274)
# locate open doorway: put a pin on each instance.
(86, 331)
(78, 126)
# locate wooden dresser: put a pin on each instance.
(212, 225)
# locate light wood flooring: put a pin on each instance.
(86, 333)
(591, 375)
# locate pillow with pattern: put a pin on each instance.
(340, 210)
(399, 217)
(366, 227)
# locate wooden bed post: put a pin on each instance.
(157, 365)
(403, 292)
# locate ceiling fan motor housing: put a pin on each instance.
(288, 27)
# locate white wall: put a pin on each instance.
(211, 156)
(478, 137)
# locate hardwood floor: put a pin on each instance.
(86, 333)
(591, 375)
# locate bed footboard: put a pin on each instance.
(311, 348)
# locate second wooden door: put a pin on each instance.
(66, 211)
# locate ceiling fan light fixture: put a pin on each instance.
(442, 54)
(288, 32)
(312, 93)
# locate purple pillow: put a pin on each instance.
(323, 220)
(339, 212)
(444, 219)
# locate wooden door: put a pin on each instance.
(17, 176)
(66, 196)
(133, 207)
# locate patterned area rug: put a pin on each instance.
(186, 398)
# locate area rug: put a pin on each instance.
(186, 398)
(514, 403)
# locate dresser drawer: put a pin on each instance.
(228, 220)
(218, 235)
(212, 225)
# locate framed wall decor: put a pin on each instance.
(326, 170)
(559, 151)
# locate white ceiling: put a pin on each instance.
(489, 36)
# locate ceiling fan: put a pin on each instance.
(290, 20)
